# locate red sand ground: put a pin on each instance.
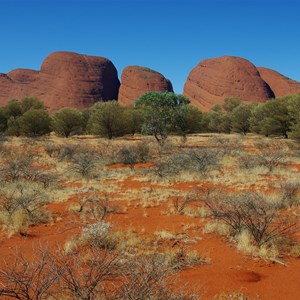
(228, 269)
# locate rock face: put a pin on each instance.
(213, 80)
(137, 80)
(66, 79)
(23, 75)
(279, 84)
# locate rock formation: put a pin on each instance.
(279, 84)
(137, 80)
(66, 79)
(213, 80)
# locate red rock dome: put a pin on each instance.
(213, 80)
(139, 80)
(66, 79)
(279, 84)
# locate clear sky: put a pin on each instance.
(169, 36)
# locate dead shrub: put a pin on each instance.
(24, 279)
(254, 213)
(146, 277)
(95, 206)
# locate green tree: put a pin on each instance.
(13, 126)
(3, 120)
(107, 119)
(163, 113)
(34, 122)
(133, 120)
(29, 103)
(293, 105)
(12, 109)
(271, 118)
(67, 122)
(219, 120)
(240, 117)
(231, 103)
(189, 120)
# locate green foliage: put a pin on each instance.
(29, 103)
(67, 122)
(163, 113)
(240, 116)
(271, 118)
(219, 121)
(189, 120)
(12, 109)
(107, 119)
(34, 122)
(133, 118)
(231, 103)
(11, 113)
(13, 126)
(293, 105)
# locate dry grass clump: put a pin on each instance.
(233, 296)
(253, 221)
(22, 205)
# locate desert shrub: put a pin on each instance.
(289, 191)
(34, 122)
(248, 161)
(133, 154)
(179, 204)
(99, 235)
(84, 165)
(22, 205)
(226, 146)
(107, 119)
(20, 168)
(94, 206)
(270, 155)
(162, 168)
(17, 167)
(67, 122)
(89, 273)
(97, 268)
(147, 278)
(170, 165)
(28, 279)
(203, 160)
(233, 296)
(251, 212)
(52, 149)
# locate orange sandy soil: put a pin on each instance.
(227, 269)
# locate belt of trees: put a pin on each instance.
(154, 113)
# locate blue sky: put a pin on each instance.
(169, 36)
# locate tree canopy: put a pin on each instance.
(163, 113)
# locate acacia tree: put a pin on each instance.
(67, 122)
(34, 122)
(240, 116)
(162, 113)
(271, 118)
(107, 119)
